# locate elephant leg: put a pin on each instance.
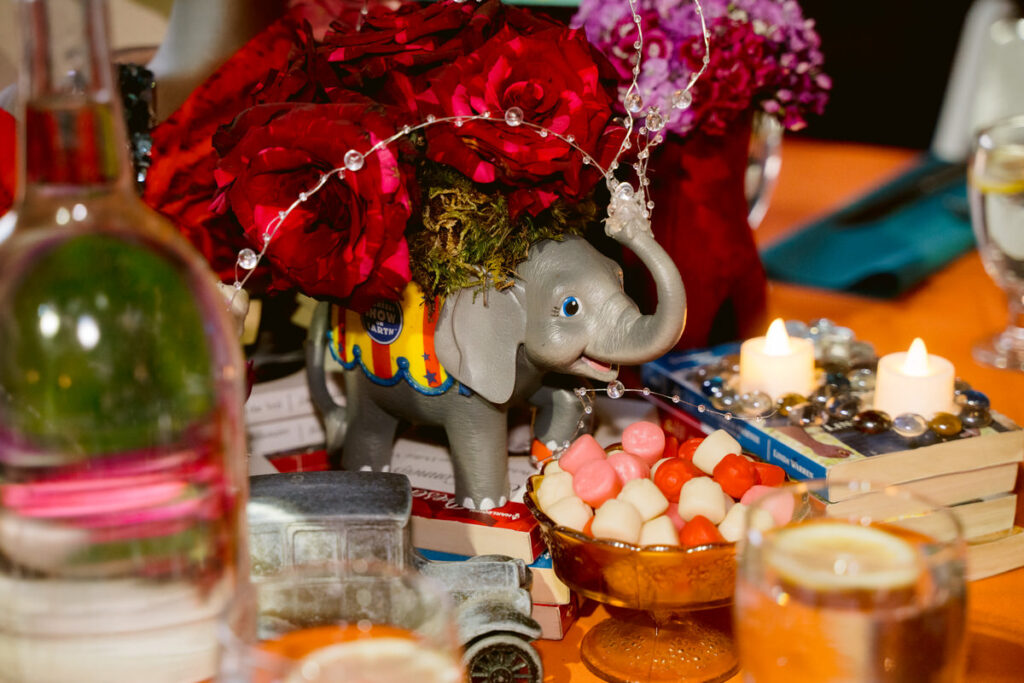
(370, 430)
(559, 413)
(477, 437)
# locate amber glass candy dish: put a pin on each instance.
(669, 606)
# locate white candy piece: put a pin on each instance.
(702, 496)
(713, 448)
(729, 501)
(553, 488)
(659, 531)
(552, 467)
(647, 498)
(617, 520)
(734, 524)
(571, 512)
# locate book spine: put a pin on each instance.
(555, 620)
(660, 377)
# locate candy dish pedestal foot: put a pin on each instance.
(683, 647)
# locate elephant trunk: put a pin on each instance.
(638, 338)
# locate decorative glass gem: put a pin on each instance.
(975, 416)
(615, 389)
(820, 327)
(459, 123)
(580, 391)
(838, 380)
(821, 395)
(543, 132)
(682, 99)
(872, 421)
(973, 398)
(788, 401)
(406, 130)
(247, 259)
(843, 406)
(960, 386)
(945, 424)
(862, 379)
(726, 399)
(862, 354)
(712, 386)
(909, 425)
(654, 121)
(797, 328)
(805, 415)
(731, 363)
(570, 138)
(634, 103)
(431, 118)
(702, 408)
(486, 114)
(354, 160)
(588, 409)
(756, 403)
(624, 191)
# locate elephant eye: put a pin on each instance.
(570, 306)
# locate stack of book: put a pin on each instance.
(975, 473)
(286, 435)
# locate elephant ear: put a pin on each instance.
(478, 337)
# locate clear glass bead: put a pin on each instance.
(624, 192)
(654, 121)
(756, 403)
(909, 425)
(354, 160)
(682, 99)
(247, 259)
(862, 379)
(634, 103)
(615, 389)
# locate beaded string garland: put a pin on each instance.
(630, 204)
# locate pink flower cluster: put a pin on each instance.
(763, 53)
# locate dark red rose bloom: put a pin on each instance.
(410, 39)
(180, 182)
(345, 242)
(553, 78)
(8, 160)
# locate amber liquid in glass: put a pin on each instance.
(907, 632)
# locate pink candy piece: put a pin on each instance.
(627, 466)
(583, 450)
(645, 440)
(595, 482)
(673, 513)
(780, 507)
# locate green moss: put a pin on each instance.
(466, 238)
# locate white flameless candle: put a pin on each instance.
(914, 382)
(776, 363)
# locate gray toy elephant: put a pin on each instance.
(566, 314)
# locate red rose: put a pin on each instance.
(411, 38)
(346, 241)
(8, 160)
(552, 76)
(180, 181)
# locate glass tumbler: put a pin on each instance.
(357, 622)
(870, 590)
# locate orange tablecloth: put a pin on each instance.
(949, 311)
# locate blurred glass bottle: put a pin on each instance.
(122, 462)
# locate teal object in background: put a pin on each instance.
(907, 229)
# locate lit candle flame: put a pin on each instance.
(916, 361)
(776, 341)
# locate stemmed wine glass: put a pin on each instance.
(996, 188)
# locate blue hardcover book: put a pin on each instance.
(838, 451)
